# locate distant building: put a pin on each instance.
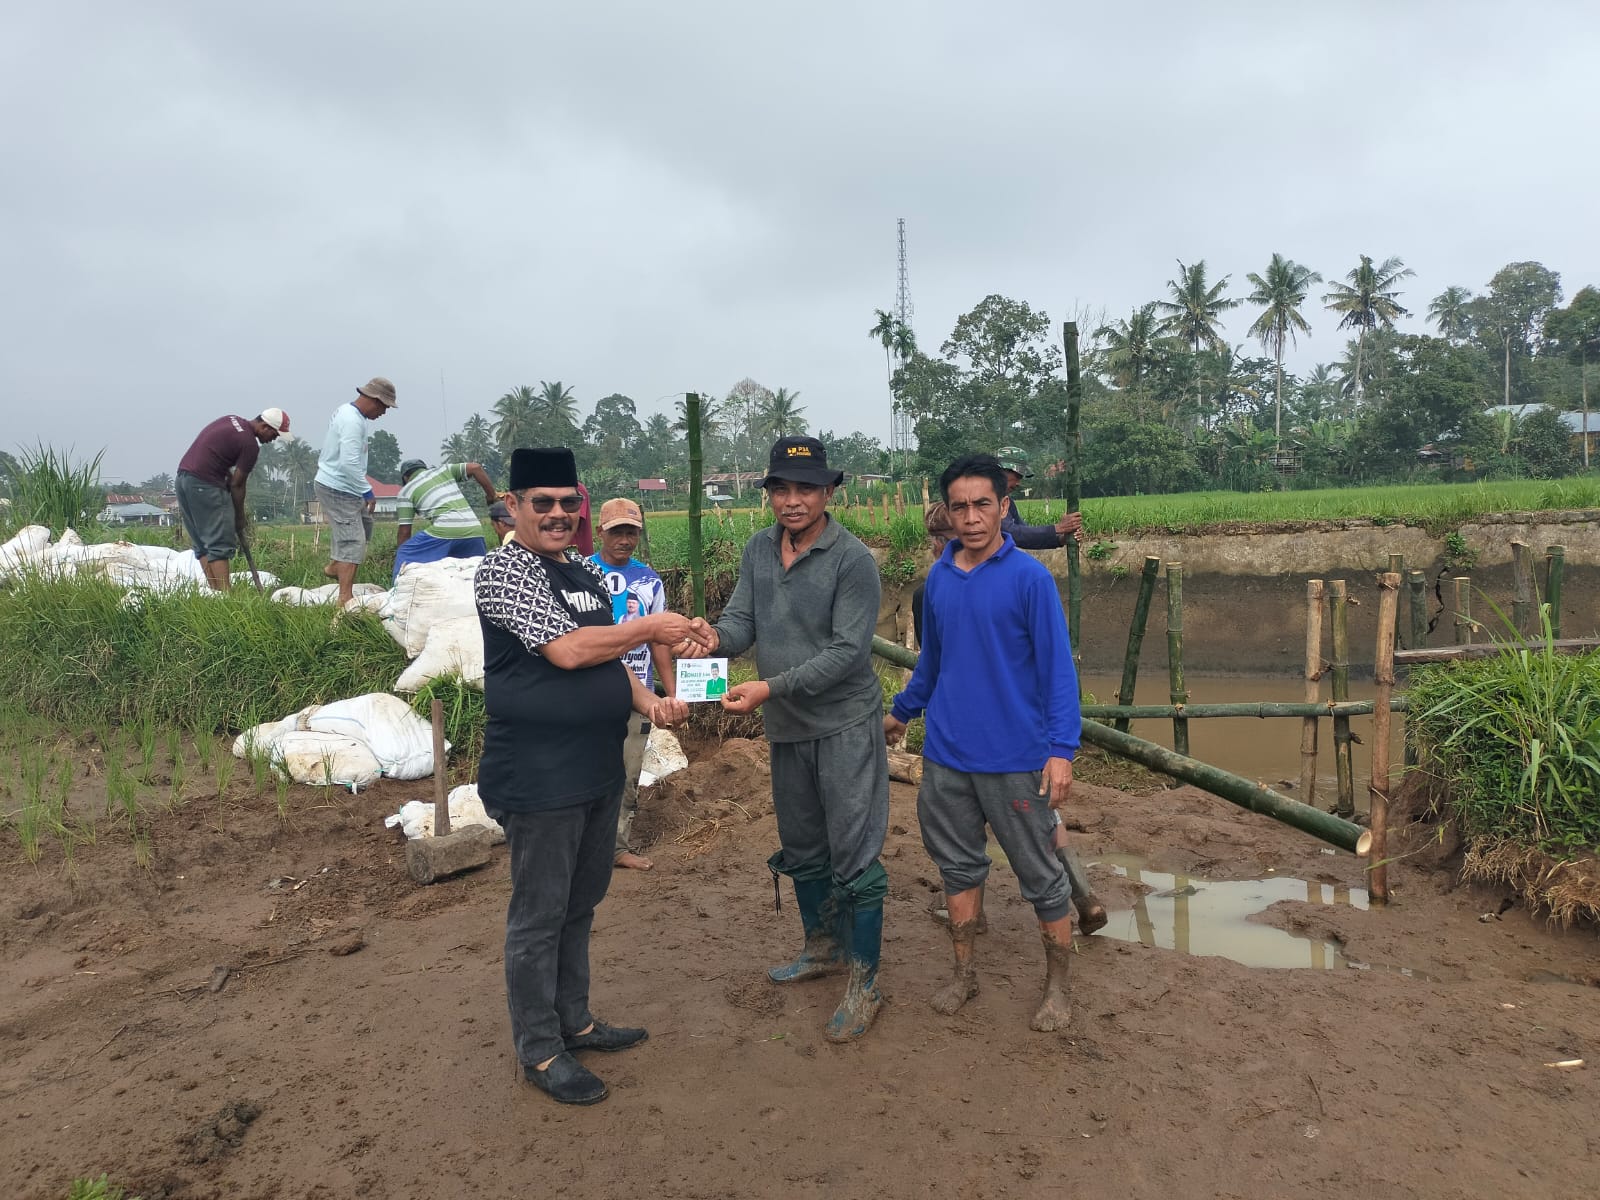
(136, 512)
(387, 496)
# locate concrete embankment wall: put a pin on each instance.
(1244, 592)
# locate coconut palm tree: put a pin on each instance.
(1132, 348)
(558, 411)
(1194, 314)
(1450, 313)
(782, 416)
(516, 422)
(1369, 301)
(1280, 292)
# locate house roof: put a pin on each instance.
(652, 485)
(383, 491)
(119, 498)
(137, 509)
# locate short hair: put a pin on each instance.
(975, 466)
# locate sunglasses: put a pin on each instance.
(543, 504)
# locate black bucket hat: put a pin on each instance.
(800, 460)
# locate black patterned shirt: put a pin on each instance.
(554, 737)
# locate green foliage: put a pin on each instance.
(97, 1189)
(49, 488)
(1100, 551)
(1124, 458)
(1457, 553)
(1517, 740)
(71, 651)
(383, 457)
(465, 716)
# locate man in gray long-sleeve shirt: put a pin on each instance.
(807, 599)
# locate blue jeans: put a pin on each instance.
(424, 547)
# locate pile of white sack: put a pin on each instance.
(126, 564)
(352, 743)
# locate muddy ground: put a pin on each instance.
(359, 1045)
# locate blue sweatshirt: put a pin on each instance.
(995, 678)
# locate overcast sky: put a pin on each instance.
(211, 207)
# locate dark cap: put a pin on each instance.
(800, 460)
(499, 512)
(550, 467)
(410, 467)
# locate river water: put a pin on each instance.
(1266, 750)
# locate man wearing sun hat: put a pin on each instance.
(807, 599)
(211, 485)
(341, 483)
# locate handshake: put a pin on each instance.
(688, 637)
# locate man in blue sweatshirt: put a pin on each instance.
(1000, 695)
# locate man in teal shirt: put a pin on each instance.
(341, 481)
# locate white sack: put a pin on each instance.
(399, 739)
(662, 756)
(453, 647)
(415, 817)
(326, 594)
(426, 594)
(307, 756)
(24, 551)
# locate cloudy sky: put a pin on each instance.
(210, 207)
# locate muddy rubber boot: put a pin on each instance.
(1091, 913)
(862, 999)
(822, 954)
(1055, 1009)
(963, 986)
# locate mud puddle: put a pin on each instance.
(1209, 917)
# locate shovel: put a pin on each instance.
(251, 559)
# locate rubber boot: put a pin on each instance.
(963, 986)
(862, 999)
(1091, 913)
(822, 954)
(1055, 1009)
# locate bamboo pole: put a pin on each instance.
(697, 556)
(926, 501)
(1438, 654)
(1260, 709)
(1343, 762)
(1378, 789)
(1522, 584)
(900, 499)
(1416, 585)
(1308, 730)
(886, 508)
(1396, 567)
(1074, 490)
(1215, 780)
(441, 801)
(1177, 692)
(1136, 628)
(1556, 558)
(1461, 590)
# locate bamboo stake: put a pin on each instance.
(1379, 788)
(1522, 583)
(1179, 696)
(1308, 730)
(926, 501)
(1339, 601)
(1462, 592)
(441, 802)
(697, 557)
(1397, 567)
(1136, 628)
(886, 508)
(1416, 584)
(1556, 558)
(1074, 489)
(900, 499)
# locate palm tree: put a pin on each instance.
(782, 415)
(516, 420)
(1448, 310)
(1194, 314)
(883, 330)
(1133, 346)
(558, 411)
(1368, 301)
(454, 449)
(1280, 292)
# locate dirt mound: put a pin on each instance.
(732, 785)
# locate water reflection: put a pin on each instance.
(1208, 917)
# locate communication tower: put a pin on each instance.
(901, 439)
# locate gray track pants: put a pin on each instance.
(832, 801)
(952, 807)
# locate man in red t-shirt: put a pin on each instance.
(211, 484)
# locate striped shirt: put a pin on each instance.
(435, 495)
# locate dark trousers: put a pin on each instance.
(560, 868)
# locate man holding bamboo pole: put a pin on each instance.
(997, 685)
